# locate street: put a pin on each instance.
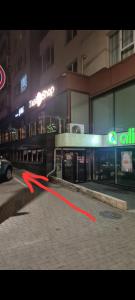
(40, 232)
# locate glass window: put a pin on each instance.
(127, 37)
(125, 108)
(114, 48)
(34, 155)
(103, 114)
(104, 167)
(29, 155)
(40, 156)
(126, 166)
(25, 155)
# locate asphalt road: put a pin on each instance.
(38, 231)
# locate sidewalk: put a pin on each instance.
(114, 191)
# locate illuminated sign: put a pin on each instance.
(41, 96)
(20, 112)
(124, 138)
(2, 77)
(24, 83)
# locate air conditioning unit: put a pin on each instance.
(75, 128)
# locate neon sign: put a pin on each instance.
(2, 77)
(20, 112)
(41, 96)
(124, 138)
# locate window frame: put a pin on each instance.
(120, 49)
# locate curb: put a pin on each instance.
(115, 202)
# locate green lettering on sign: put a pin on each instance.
(124, 138)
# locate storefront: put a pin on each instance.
(109, 159)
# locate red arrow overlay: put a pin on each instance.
(30, 177)
(2, 77)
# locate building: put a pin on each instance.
(80, 122)
(5, 63)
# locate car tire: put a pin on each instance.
(8, 174)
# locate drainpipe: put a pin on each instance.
(54, 168)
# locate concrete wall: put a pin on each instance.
(92, 43)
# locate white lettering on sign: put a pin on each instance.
(41, 96)
(20, 112)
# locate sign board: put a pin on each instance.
(2, 77)
(125, 138)
(41, 96)
(126, 161)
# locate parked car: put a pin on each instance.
(6, 169)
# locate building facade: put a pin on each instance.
(77, 117)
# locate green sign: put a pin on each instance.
(124, 138)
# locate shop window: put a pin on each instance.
(32, 129)
(6, 137)
(104, 168)
(22, 133)
(29, 155)
(25, 155)
(21, 155)
(34, 155)
(40, 156)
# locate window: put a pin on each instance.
(34, 155)
(24, 83)
(48, 58)
(114, 48)
(40, 156)
(29, 155)
(121, 45)
(72, 67)
(127, 43)
(25, 155)
(70, 34)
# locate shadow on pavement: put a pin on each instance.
(22, 198)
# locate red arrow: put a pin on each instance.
(3, 77)
(30, 177)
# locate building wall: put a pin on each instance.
(4, 61)
(20, 46)
(25, 43)
(91, 43)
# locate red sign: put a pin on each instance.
(2, 77)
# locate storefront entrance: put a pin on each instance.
(73, 165)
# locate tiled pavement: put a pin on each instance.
(50, 235)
